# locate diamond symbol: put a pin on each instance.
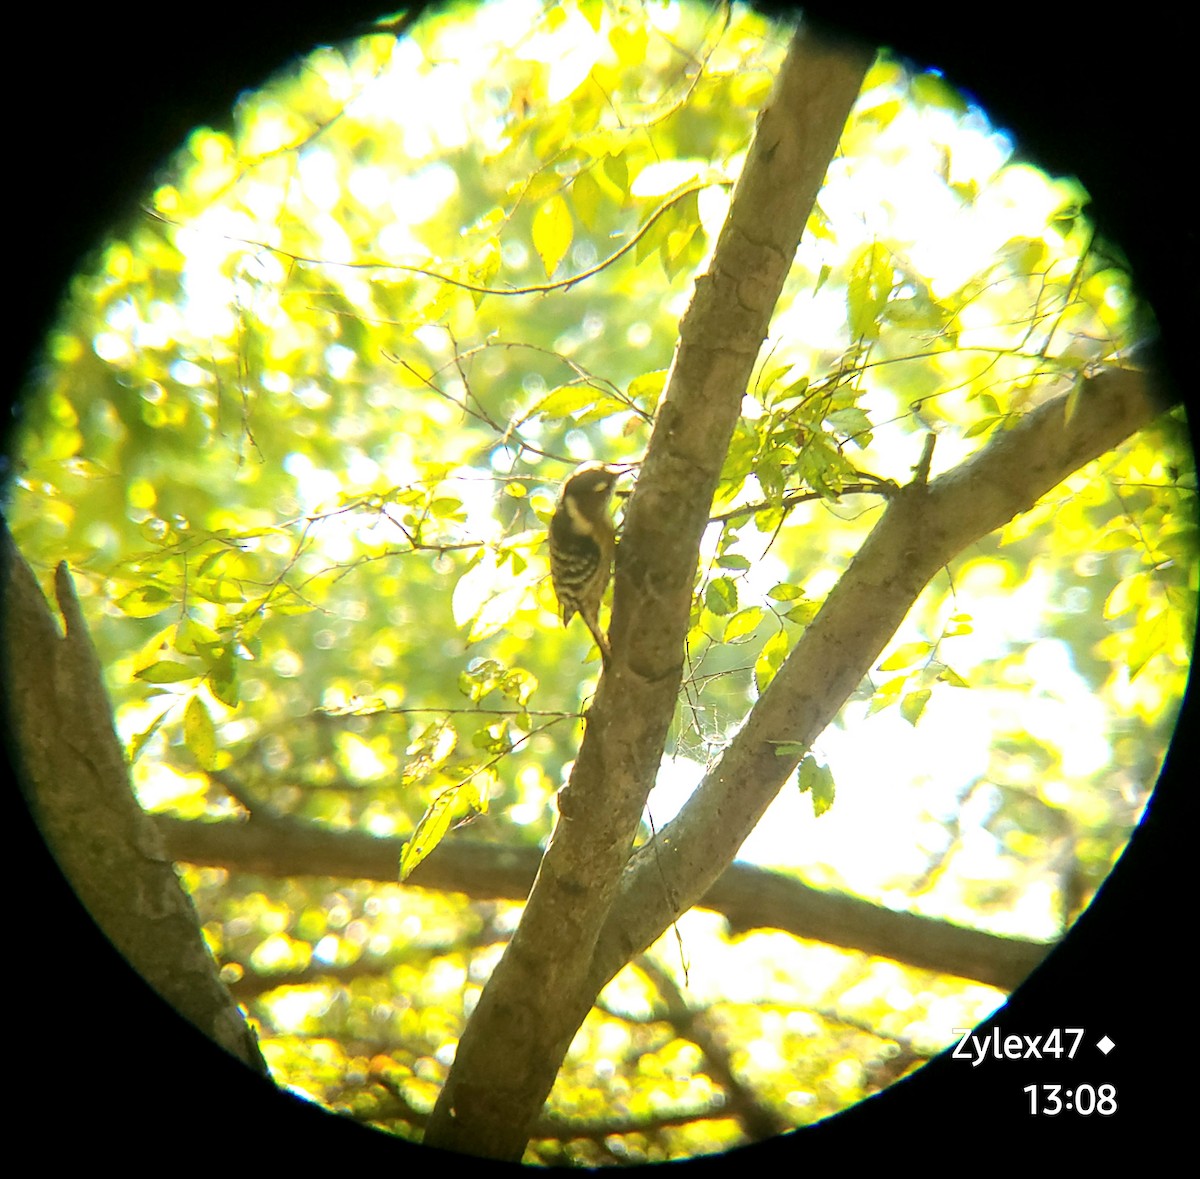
(1105, 1045)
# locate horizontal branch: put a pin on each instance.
(749, 897)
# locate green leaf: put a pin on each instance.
(1127, 594)
(913, 705)
(565, 400)
(616, 171)
(1026, 255)
(1149, 639)
(468, 797)
(769, 472)
(803, 612)
(851, 423)
(906, 655)
(767, 380)
(931, 89)
(593, 10)
(982, 426)
(949, 676)
(647, 388)
(484, 266)
(477, 680)
(199, 733)
(629, 42)
(603, 405)
(770, 658)
(652, 241)
(887, 694)
(486, 598)
(796, 390)
(552, 232)
(867, 290)
(743, 623)
(222, 678)
(519, 685)
(739, 462)
(167, 671)
(823, 466)
(145, 601)
(794, 749)
(720, 596)
(492, 738)
(817, 780)
(429, 751)
(194, 638)
(680, 224)
(429, 832)
(785, 592)
(587, 197)
(447, 507)
(140, 740)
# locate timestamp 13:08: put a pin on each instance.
(1049, 1100)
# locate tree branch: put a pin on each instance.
(748, 897)
(74, 776)
(539, 992)
(923, 528)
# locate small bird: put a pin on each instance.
(582, 542)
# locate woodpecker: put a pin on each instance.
(582, 541)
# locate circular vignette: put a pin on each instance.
(148, 116)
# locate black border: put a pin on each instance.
(100, 1064)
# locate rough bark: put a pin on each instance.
(539, 992)
(75, 779)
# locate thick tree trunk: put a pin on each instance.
(75, 779)
(540, 991)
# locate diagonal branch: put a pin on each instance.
(925, 526)
(540, 991)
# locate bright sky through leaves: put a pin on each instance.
(299, 435)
